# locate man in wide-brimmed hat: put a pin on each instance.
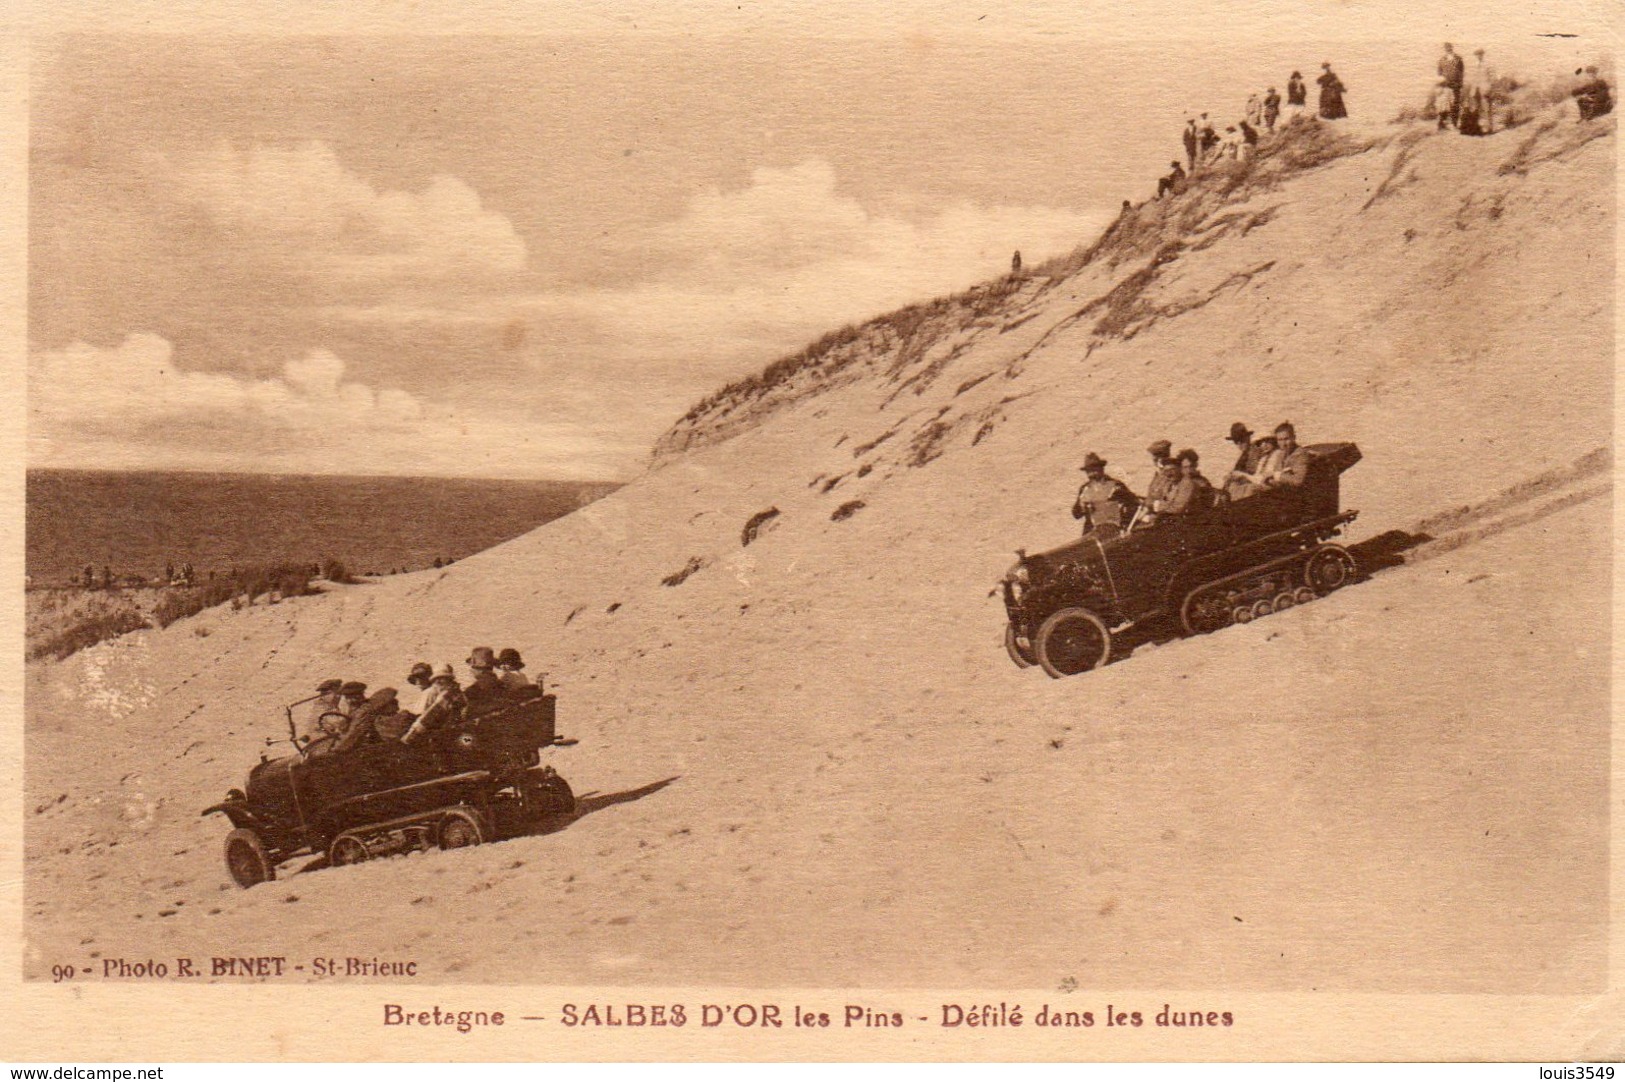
(508, 665)
(482, 662)
(1104, 503)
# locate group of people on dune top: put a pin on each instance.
(1107, 507)
(342, 715)
(1204, 145)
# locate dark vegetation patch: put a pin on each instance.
(273, 582)
(865, 469)
(573, 614)
(680, 576)
(754, 524)
(864, 448)
(968, 384)
(927, 443)
(847, 510)
(88, 632)
(832, 482)
(613, 606)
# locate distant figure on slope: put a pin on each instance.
(1189, 139)
(1478, 101)
(1015, 264)
(1207, 140)
(1255, 110)
(1173, 183)
(1592, 96)
(1297, 95)
(1249, 141)
(1272, 108)
(1331, 94)
(1232, 143)
(1104, 503)
(1452, 74)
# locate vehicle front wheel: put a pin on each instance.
(1021, 655)
(1072, 641)
(247, 860)
(461, 827)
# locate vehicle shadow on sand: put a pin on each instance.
(595, 802)
(1373, 556)
(586, 805)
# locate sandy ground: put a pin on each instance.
(811, 763)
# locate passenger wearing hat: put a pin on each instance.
(508, 665)
(1194, 493)
(1104, 503)
(418, 677)
(325, 701)
(1242, 479)
(443, 707)
(1164, 479)
(374, 719)
(484, 686)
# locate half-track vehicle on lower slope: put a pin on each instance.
(1200, 572)
(474, 781)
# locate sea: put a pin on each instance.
(138, 523)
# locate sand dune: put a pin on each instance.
(808, 760)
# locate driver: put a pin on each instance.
(325, 702)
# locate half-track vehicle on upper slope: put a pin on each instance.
(470, 782)
(1202, 571)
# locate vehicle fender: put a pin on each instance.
(237, 811)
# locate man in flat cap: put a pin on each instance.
(1163, 480)
(1104, 503)
(326, 701)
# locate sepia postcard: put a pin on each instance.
(784, 532)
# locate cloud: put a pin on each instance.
(299, 207)
(132, 406)
(85, 391)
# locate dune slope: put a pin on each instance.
(807, 760)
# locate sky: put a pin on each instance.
(526, 255)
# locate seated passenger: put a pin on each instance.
(443, 706)
(1104, 503)
(368, 722)
(325, 702)
(1252, 466)
(1194, 493)
(508, 665)
(1288, 466)
(418, 677)
(485, 686)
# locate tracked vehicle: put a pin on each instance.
(1071, 607)
(472, 782)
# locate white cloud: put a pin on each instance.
(300, 207)
(133, 407)
(137, 387)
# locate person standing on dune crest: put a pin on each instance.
(1331, 94)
